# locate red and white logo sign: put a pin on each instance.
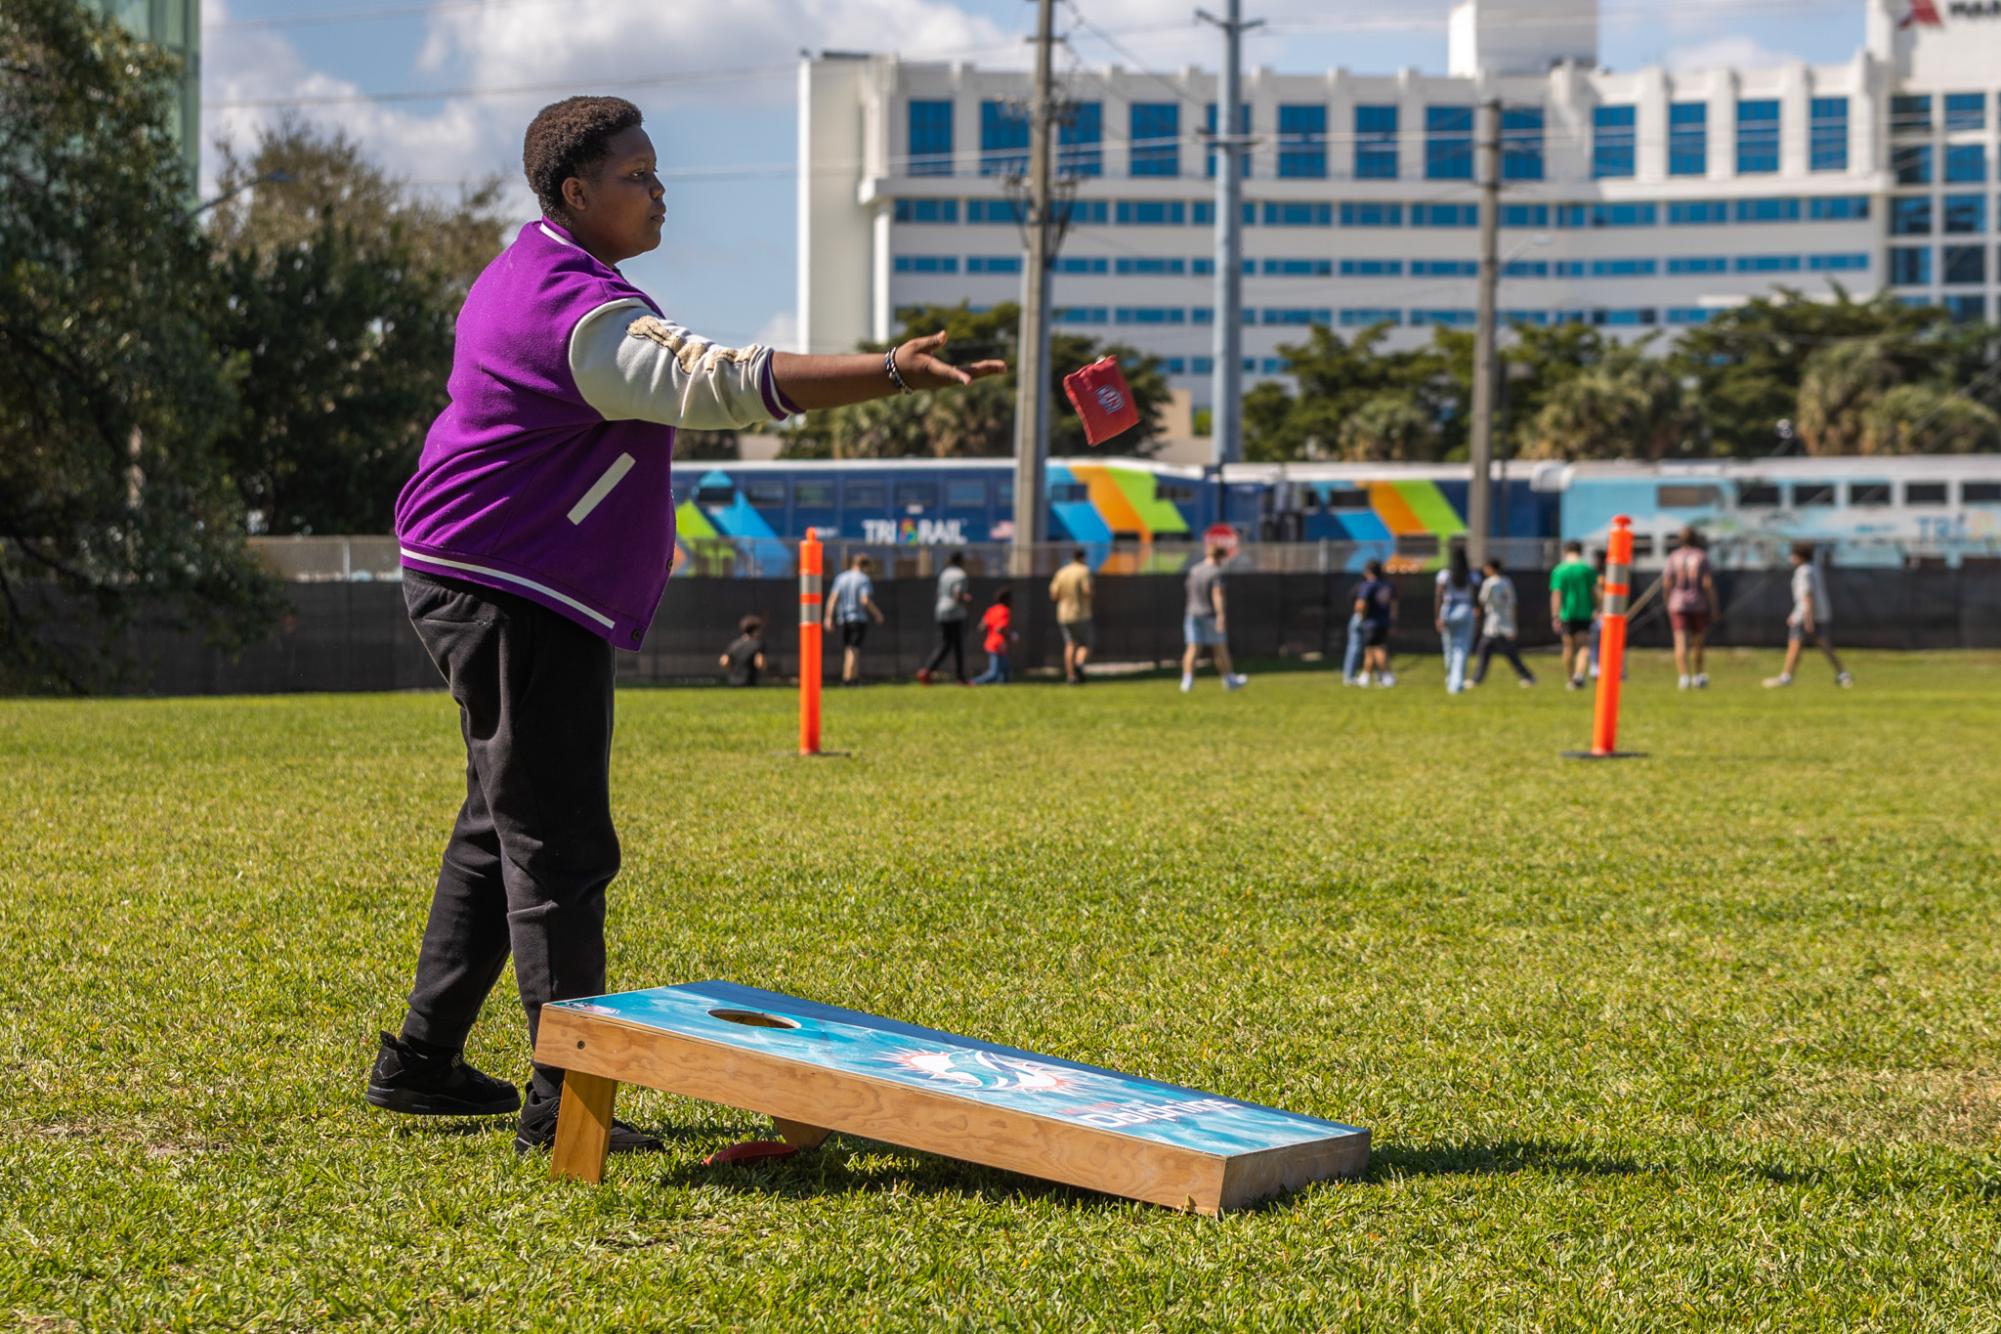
(1924, 14)
(1220, 535)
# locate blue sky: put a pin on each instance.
(717, 83)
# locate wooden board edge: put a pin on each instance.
(938, 1123)
(1251, 1177)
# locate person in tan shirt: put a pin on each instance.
(1070, 590)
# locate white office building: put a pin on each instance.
(1635, 201)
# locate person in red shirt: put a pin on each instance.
(999, 625)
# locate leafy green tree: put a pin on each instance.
(342, 291)
(1930, 419)
(1839, 386)
(1628, 406)
(1389, 428)
(114, 498)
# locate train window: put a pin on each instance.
(1422, 546)
(813, 495)
(724, 494)
(1758, 495)
(1175, 493)
(966, 493)
(766, 495)
(1686, 497)
(864, 495)
(1980, 493)
(1643, 546)
(1924, 493)
(916, 496)
(1812, 493)
(1875, 494)
(1341, 498)
(1069, 493)
(1309, 500)
(1004, 493)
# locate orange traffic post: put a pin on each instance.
(809, 643)
(1612, 646)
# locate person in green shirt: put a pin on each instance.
(1572, 589)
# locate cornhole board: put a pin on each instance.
(816, 1069)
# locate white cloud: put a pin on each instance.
(1724, 53)
(780, 331)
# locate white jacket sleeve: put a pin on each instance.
(631, 365)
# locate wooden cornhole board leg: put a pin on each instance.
(815, 1069)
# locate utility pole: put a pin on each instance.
(1479, 503)
(1230, 145)
(1031, 417)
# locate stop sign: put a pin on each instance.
(1221, 535)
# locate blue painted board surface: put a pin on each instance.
(865, 1044)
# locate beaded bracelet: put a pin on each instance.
(895, 376)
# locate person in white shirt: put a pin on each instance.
(1811, 618)
(1497, 633)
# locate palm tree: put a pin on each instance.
(1839, 386)
(1629, 406)
(1387, 428)
(1930, 419)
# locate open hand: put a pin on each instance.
(922, 368)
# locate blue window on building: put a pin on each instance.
(1536, 317)
(1003, 138)
(1698, 264)
(1614, 135)
(1688, 139)
(1302, 141)
(1698, 213)
(993, 264)
(1153, 130)
(930, 142)
(1827, 127)
(1455, 319)
(1852, 261)
(1150, 315)
(1521, 143)
(1371, 268)
(1080, 140)
(1152, 213)
(1207, 315)
(1203, 213)
(1911, 164)
(927, 264)
(1362, 317)
(1445, 215)
(1963, 309)
(1911, 114)
(993, 211)
(1082, 264)
(1519, 215)
(1962, 265)
(1298, 268)
(1079, 315)
(1371, 215)
(1204, 267)
(1965, 111)
(1626, 317)
(1448, 143)
(1082, 211)
(1375, 143)
(1768, 264)
(1295, 315)
(1243, 127)
(1285, 214)
(1201, 365)
(1624, 268)
(1839, 208)
(1783, 209)
(1568, 268)
(1687, 315)
(1444, 268)
(1607, 215)
(1911, 215)
(1963, 215)
(1525, 268)
(1140, 265)
(1965, 164)
(1757, 137)
(1910, 266)
(926, 210)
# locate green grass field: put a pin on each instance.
(1706, 1039)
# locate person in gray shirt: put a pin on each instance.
(1204, 622)
(950, 612)
(1498, 630)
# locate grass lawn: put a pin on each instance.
(1705, 1039)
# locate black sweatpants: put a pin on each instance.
(952, 640)
(533, 849)
(1505, 646)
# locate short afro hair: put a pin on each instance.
(569, 138)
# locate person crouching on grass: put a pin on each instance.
(536, 537)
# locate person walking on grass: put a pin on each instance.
(1812, 618)
(1376, 608)
(1498, 629)
(999, 626)
(536, 537)
(1205, 622)
(1453, 601)
(1692, 606)
(1571, 605)
(743, 660)
(950, 613)
(850, 608)
(1071, 591)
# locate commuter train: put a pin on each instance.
(1132, 514)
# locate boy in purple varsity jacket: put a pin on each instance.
(536, 538)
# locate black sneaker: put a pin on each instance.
(420, 1083)
(538, 1129)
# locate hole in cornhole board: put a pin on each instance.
(751, 1019)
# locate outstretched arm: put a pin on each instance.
(834, 381)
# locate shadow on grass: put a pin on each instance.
(1504, 1158)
